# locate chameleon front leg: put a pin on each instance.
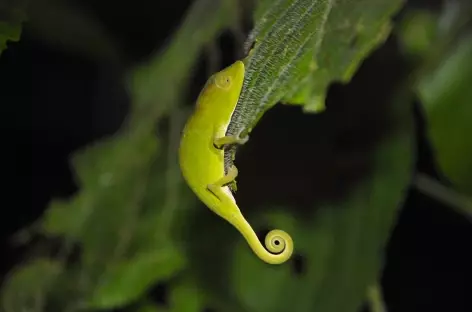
(221, 142)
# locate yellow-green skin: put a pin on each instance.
(201, 156)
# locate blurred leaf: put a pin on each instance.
(205, 20)
(418, 31)
(375, 298)
(26, 287)
(185, 296)
(165, 189)
(114, 176)
(114, 173)
(342, 246)
(150, 307)
(11, 17)
(447, 195)
(62, 220)
(70, 27)
(125, 281)
(109, 174)
(8, 32)
(446, 94)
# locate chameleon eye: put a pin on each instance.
(223, 82)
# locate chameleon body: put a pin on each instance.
(201, 156)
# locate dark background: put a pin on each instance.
(75, 101)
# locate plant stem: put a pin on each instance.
(446, 195)
(375, 299)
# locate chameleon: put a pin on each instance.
(201, 158)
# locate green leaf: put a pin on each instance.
(60, 219)
(113, 173)
(71, 28)
(117, 193)
(342, 245)
(353, 29)
(286, 35)
(26, 287)
(112, 176)
(418, 30)
(150, 307)
(186, 296)
(165, 189)
(8, 33)
(127, 280)
(204, 21)
(301, 47)
(446, 95)
(11, 18)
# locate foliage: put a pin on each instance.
(135, 222)
(26, 286)
(11, 17)
(445, 91)
(306, 45)
(114, 175)
(350, 34)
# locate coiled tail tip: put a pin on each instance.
(280, 245)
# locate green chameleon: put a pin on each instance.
(201, 156)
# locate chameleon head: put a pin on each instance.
(231, 77)
(223, 87)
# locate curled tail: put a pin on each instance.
(279, 244)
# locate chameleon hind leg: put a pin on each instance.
(226, 210)
(278, 244)
(216, 188)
